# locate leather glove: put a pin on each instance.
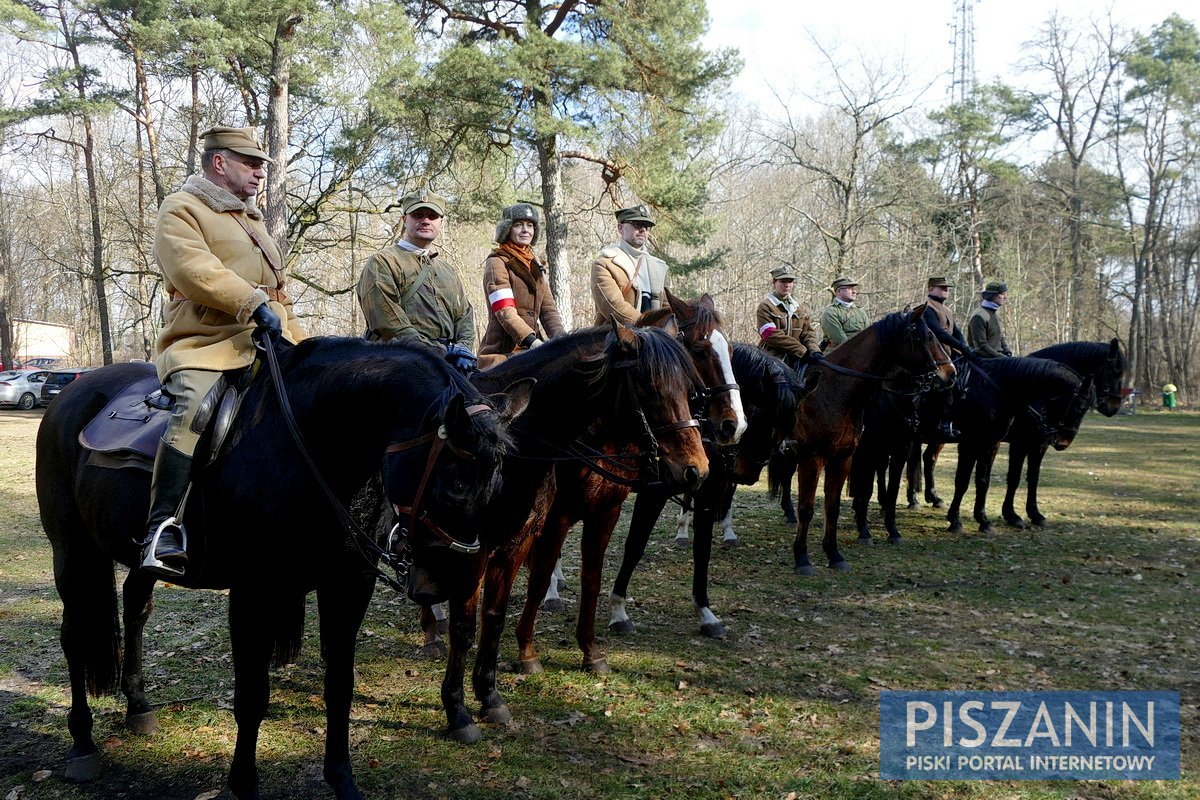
(814, 356)
(267, 319)
(461, 358)
(531, 341)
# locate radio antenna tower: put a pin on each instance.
(962, 81)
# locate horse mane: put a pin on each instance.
(704, 319)
(890, 325)
(1088, 357)
(1027, 369)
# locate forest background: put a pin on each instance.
(584, 107)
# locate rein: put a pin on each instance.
(366, 544)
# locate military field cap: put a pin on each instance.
(840, 282)
(783, 274)
(995, 287)
(423, 198)
(239, 140)
(638, 213)
(938, 280)
(514, 213)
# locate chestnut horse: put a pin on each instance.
(614, 389)
(829, 421)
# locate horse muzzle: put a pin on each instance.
(423, 587)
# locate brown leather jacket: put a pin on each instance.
(786, 331)
(517, 301)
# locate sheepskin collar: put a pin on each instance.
(218, 199)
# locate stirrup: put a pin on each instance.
(150, 560)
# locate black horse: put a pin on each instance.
(1103, 364)
(770, 395)
(260, 524)
(998, 391)
(618, 386)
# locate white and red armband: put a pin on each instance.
(501, 298)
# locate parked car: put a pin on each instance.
(56, 380)
(22, 387)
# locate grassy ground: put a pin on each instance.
(787, 706)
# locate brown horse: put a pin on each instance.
(829, 421)
(630, 386)
(595, 498)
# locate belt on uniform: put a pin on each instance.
(277, 295)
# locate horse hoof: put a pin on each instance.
(82, 768)
(1037, 522)
(434, 651)
(622, 626)
(713, 630)
(805, 569)
(553, 604)
(500, 715)
(938, 502)
(913, 505)
(561, 585)
(683, 541)
(840, 566)
(896, 540)
(530, 666)
(866, 541)
(597, 667)
(730, 542)
(956, 527)
(468, 734)
(988, 529)
(142, 724)
(1015, 522)
(790, 519)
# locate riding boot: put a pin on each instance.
(164, 551)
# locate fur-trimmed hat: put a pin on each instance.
(513, 213)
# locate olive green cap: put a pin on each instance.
(239, 140)
(995, 287)
(938, 281)
(783, 274)
(423, 198)
(840, 282)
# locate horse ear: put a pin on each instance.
(514, 400)
(707, 301)
(910, 309)
(1114, 348)
(625, 336)
(671, 326)
(455, 416)
(680, 307)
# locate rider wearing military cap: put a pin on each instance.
(984, 332)
(785, 327)
(408, 293)
(626, 280)
(517, 289)
(842, 318)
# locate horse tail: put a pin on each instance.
(91, 625)
(289, 631)
(779, 472)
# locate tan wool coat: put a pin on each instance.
(613, 291)
(518, 300)
(215, 276)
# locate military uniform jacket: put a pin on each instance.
(615, 292)
(517, 301)
(940, 318)
(839, 323)
(439, 312)
(983, 333)
(785, 328)
(215, 276)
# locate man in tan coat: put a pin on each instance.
(626, 279)
(784, 326)
(408, 293)
(224, 275)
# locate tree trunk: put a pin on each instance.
(193, 121)
(555, 227)
(276, 212)
(6, 337)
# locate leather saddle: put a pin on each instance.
(126, 432)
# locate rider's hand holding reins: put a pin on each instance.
(268, 320)
(461, 358)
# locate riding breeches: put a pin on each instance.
(188, 387)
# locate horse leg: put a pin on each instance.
(835, 478)
(728, 537)
(710, 624)
(252, 641)
(560, 580)
(433, 624)
(1036, 455)
(983, 480)
(342, 606)
(785, 493)
(460, 726)
(498, 581)
(1016, 462)
(962, 479)
(891, 498)
(865, 472)
(640, 528)
(929, 461)
(912, 468)
(551, 601)
(681, 526)
(137, 601)
(597, 530)
(546, 548)
(807, 470)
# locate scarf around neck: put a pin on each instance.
(522, 254)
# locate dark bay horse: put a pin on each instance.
(1104, 365)
(595, 498)
(770, 392)
(611, 387)
(260, 524)
(829, 421)
(997, 391)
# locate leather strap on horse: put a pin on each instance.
(267, 252)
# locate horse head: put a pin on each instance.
(657, 380)
(771, 395)
(921, 352)
(699, 331)
(1109, 380)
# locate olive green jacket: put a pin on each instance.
(438, 313)
(839, 323)
(985, 335)
(215, 277)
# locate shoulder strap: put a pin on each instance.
(268, 253)
(416, 285)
